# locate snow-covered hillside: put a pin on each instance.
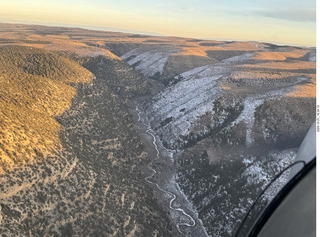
(235, 124)
(149, 61)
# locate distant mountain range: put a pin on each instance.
(74, 155)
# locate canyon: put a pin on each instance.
(118, 134)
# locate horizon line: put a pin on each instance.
(147, 33)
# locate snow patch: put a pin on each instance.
(312, 57)
(148, 63)
(183, 103)
(238, 58)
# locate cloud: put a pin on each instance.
(290, 15)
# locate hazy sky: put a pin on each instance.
(282, 21)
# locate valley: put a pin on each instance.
(118, 134)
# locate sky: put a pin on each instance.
(278, 21)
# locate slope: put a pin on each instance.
(34, 88)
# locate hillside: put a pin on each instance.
(114, 134)
(70, 155)
(34, 88)
(243, 116)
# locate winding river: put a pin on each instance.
(148, 179)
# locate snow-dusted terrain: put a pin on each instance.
(213, 116)
(225, 192)
(178, 107)
(312, 57)
(183, 104)
(220, 121)
(151, 62)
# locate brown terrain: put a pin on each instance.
(72, 161)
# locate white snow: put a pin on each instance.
(150, 62)
(253, 102)
(247, 116)
(312, 57)
(239, 58)
(259, 172)
(186, 101)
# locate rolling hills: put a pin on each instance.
(225, 117)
